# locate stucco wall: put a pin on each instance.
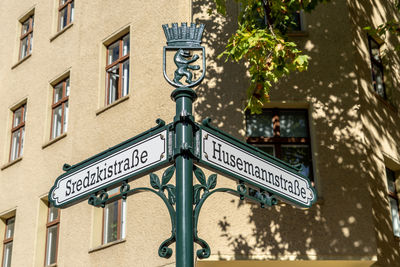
(354, 135)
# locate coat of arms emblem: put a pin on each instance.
(185, 41)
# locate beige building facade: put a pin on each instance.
(78, 77)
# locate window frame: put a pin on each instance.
(393, 195)
(119, 224)
(28, 35)
(55, 222)
(378, 64)
(63, 101)
(61, 7)
(120, 61)
(277, 141)
(7, 240)
(20, 127)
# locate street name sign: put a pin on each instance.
(125, 161)
(222, 152)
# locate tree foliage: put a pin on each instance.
(389, 27)
(262, 41)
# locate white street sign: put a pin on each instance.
(224, 155)
(131, 159)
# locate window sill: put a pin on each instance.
(20, 61)
(9, 164)
(101, 247)
(61, 32)
(298, 34)
(54, 140)
(122, 99)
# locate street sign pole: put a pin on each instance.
(184, 40)
(184, 98)
(185, 145)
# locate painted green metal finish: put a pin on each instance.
(183, 122)
(71, 169)
(184, 40)
(158, 188)
(183, 200)
(203, 190)
(254, 151)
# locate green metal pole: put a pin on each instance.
(184, 98)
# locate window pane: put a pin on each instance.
(375, 50)
(391, 180)
(15, 145)
(111, 222)
(259, 124)
(51, 249)
(123, 218)
(57, 112)
(394, 209)
(296, 24)
(7, 254)
(25, 26)
(17, 117)
(113, 52)
(10, 228)
(67, 87)
(53, 213)
(65, 117)
(126, 42)
(378, 78)
(24, 117)
(63, 17)
(22, 142)
(24, 47)
(293, 123)
(58, 91)
(71, 19)
(31, 43)
(298, 154)
(113, 77)
(125, 78)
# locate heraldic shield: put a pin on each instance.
(186, 42)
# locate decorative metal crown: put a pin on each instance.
(183, 35)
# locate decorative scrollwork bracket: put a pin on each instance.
(205, 189)
(161, 188)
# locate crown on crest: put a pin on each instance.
(183, 35)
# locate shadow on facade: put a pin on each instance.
(351, 219)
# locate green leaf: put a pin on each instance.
(212, 181)
(171, 194)
(200, 175)
(196, 193)
(167, 175)
(155, 181)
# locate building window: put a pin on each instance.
(297, 24)
(284, 134)
(376, 67)
(393, 201)
(114, 215)
(26, 38)
(59, 117)
(53, 226)
(65, 13)
(18, 132)
(117, 69)
(8, 242)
